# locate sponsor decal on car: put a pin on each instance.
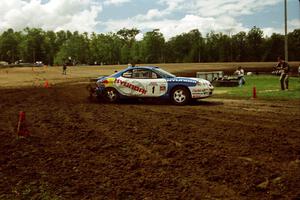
(162, 88)
(197, 90)
(200, 94)
(131, 86)
(109, 82)
(182, 80)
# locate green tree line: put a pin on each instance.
(53, 48)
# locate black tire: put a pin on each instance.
(180, 96)
(111, 95)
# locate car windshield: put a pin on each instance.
(164, 73)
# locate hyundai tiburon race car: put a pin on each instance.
(151, 82)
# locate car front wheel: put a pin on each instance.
(180, 96)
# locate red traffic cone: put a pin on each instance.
(46, 85)
(22, 128)
(254, 93)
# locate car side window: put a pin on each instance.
(154, 75)
(127, 74)
(144, 74)
(140, 73)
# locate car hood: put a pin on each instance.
(195, 79)
(101, 78)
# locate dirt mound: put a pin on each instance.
(212, 149)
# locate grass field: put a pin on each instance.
(267, 87)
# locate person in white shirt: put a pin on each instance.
(240, 74)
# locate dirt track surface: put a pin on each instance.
(213, 149)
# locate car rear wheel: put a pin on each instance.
(111, 95)
(180, 96)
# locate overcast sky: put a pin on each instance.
(172, 17)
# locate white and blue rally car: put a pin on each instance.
(151, 82)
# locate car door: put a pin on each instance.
(146, 83)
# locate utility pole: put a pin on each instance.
(285, 32)
(230, 42)
(299, 10)
(230, 38)
(199, 50)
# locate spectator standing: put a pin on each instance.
(65, 69)
(284, 69)
(240, 74)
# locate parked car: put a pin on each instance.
(38, 64)
(151, 82)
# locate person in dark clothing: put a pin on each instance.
(65, 69)
(284, 69)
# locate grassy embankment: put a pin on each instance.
(267, 87)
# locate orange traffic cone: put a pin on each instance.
(46, 85)
(22, 127)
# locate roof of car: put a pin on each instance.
(145, 67)
(135, 67)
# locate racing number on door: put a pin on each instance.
(153, 89)
(156, 88)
